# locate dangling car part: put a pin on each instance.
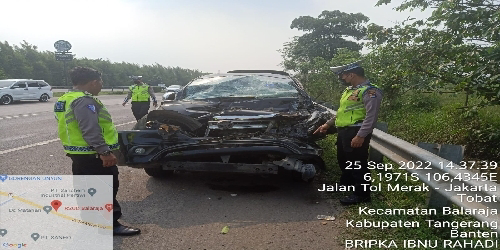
(256, 122)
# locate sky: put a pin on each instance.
(207, 35)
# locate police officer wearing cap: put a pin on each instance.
(88, 134)
(140, 93)
(355, 120)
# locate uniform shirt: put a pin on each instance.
(150, 90)
(372, 103)
(88, 122)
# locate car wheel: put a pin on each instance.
(6, 99)
(44, 98)
(158, 172)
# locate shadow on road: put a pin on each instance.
(193, 199)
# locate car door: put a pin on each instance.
(34, 90)
(45, 88)
(19, 91)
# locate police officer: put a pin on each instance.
(88, 134)
(355, 120)
(140, 93)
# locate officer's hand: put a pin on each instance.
(322, 129)
(123, 104)
(108, 160)
(155, 104)
(357, 142)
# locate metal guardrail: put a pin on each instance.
(399, 150)
(111, 88)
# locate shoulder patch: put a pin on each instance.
(91, 107)
(60, 106)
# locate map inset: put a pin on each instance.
(56, 212)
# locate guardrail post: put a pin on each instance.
(375, 155)
(453, 153)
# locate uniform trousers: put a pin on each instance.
(353, 162)
(91, 165)
(140, 109)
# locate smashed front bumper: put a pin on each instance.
(178, 151)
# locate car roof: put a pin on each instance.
(234, 73)
(16, 80)
(265, 71)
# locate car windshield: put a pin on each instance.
(258, 86)
(4, 83)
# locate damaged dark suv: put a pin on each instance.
(245, 121)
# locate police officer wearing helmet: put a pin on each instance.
(140, 93)
(88, 134)
(355, 120)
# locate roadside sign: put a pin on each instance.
(64, 57)
(62, 45)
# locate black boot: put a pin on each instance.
(119, 229)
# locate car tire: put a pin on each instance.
(158, 172)
(44, 98)
(6, 100)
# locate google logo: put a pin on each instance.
(17, 245)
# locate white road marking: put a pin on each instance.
(16, 116)
(46, 142)
(14, 138)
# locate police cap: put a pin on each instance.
(341, 69)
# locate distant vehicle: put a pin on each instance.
(170, 90)
(24, 89)
(169, 94)
(175, 88)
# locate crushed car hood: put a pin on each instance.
(233, 106)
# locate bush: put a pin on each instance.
(416, 102)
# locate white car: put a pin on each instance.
(174, 88)
(170, 91)
(168, 95)
(24, 89)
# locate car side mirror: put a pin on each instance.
(171, 97)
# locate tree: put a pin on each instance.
(459, 45)
(319, 81)
(324, 36)
(25, 61)
(2, 74)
